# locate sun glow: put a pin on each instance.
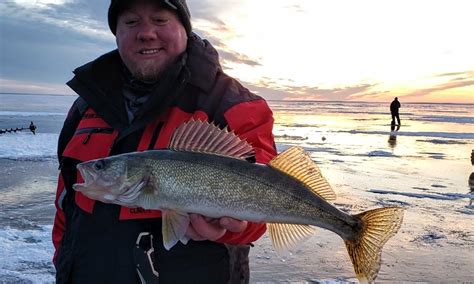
(395, 46)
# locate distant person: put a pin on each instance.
(394, 106)
(32, 128)
(131, 99)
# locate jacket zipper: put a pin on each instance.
(91, 131)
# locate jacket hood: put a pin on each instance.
(203, 62)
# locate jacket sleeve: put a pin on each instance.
(59, 218)
(252, 121)
(72, 120)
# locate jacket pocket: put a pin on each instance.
(91, 143)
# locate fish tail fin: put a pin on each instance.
(378, 226)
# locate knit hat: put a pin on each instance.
(179, 6)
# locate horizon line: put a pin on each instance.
(269, 100)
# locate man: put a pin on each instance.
(32, 128)
(394, 106)
(132, 99)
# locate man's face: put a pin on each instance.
(149, 39)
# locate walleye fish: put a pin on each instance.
(205, 171)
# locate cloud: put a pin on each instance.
(295, 8)
(458, 76)
(452, 74)
(42, 52)
(45, 40)
(216, 33)
(373, 96)
(459, 80)
(70, 16)
(41, 4)
(333, 94)
(207, 24)
(29, 87)
(283, 89)
(205, 9)
(228, 57)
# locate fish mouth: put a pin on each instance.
(91, 187)
(87, 175)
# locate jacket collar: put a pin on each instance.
(99, 83)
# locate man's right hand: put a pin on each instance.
(204, 228)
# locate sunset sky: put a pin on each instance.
(418, 50)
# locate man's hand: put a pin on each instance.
(204, 228)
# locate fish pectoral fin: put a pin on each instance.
(174, 226)
(129, 196)
(296, 163)
(148, 198)
(287, 236)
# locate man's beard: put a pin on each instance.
(147, 71)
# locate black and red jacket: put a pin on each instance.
(97, 124)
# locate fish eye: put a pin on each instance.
(99, 165)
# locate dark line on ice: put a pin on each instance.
(437, 196)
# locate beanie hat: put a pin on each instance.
(179, 6)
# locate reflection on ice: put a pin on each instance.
(471, 179)
(471, 187)
(392, 138)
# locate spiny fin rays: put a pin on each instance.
(296, 163)
(203, 137)
(379, 225)
(288, 236)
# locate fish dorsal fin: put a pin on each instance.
(203, 137)
(296, 163)
(287, 236)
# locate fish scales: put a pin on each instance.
(218, 186)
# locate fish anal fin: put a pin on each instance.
(365, 252)
(296, 163)
(203, 137)
(287, 236)
(174, 226)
